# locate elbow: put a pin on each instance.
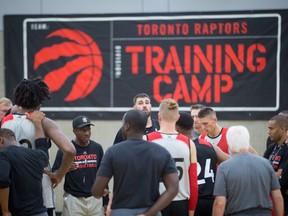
(173, 191)
(96, 193)
(71, 152)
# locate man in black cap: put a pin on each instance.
(78, 182)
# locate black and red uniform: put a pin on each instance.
(206, 172)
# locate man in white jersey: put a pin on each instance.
(28, 96)
(183, 150)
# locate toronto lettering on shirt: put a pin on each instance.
(86, 160)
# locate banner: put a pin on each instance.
(234, 63)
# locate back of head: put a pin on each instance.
(238, 138)
(284, 113)
(206, 111)
(7, 134)
(185, 121)
(136, 119)
(30, 93)
(168, 110)
(140, 95)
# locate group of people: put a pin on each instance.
(180, 164)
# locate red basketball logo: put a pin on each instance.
(85, 61)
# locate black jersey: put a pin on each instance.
(79, 182)
(206, 168)
(22, 170)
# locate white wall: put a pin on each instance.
(104, 131)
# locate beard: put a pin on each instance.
(148, 113)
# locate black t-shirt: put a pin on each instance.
(22, 171)
(155, 127)
(277, 155)
(80, 181)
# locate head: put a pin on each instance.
(142, 102)
(238, 139)
(7, 137)
(284, 113)
(168, 111)
(30, 93)
(184, 125)
(277, 128)
(5, 106)
(208, 119)
(82, 129)
(134, 124)
(194, 110)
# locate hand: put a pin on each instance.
(35, 116)
(106, 192)
(6, 214)
(73, 167)
(54, 176)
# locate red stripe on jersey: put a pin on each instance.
(204, 142)
(7, 118)
(153, 136)
(193, 186)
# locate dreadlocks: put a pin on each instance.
(30, 93)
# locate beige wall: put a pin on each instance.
(104, 131)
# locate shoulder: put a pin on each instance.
(202, 142)
(153, 135)
(94, 144)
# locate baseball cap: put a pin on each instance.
(81, 121)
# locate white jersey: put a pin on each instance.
(24, 131)
(180, 151)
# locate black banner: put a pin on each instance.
(233, 62)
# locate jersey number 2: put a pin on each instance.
(208, 173)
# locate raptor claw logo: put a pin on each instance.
(86, 62)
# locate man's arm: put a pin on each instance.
(4, 197)
(53, 131)
(193, 179)
(5, 182)
(221, 156)
(278, 205)
(171, 183)
(36, 117)
(99, 187)
(219, 206)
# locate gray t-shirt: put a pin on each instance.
(246, 181)
(137, 167)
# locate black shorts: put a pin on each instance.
(176, 208)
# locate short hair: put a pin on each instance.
(7, 133)
(30, 93)
(238, 138)
(185, 121)
(284, 113)
(168, 109)
(197, 106)
(281, 121)
(140, 95)
(136, 119)
(206, 111)
(5, 100)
